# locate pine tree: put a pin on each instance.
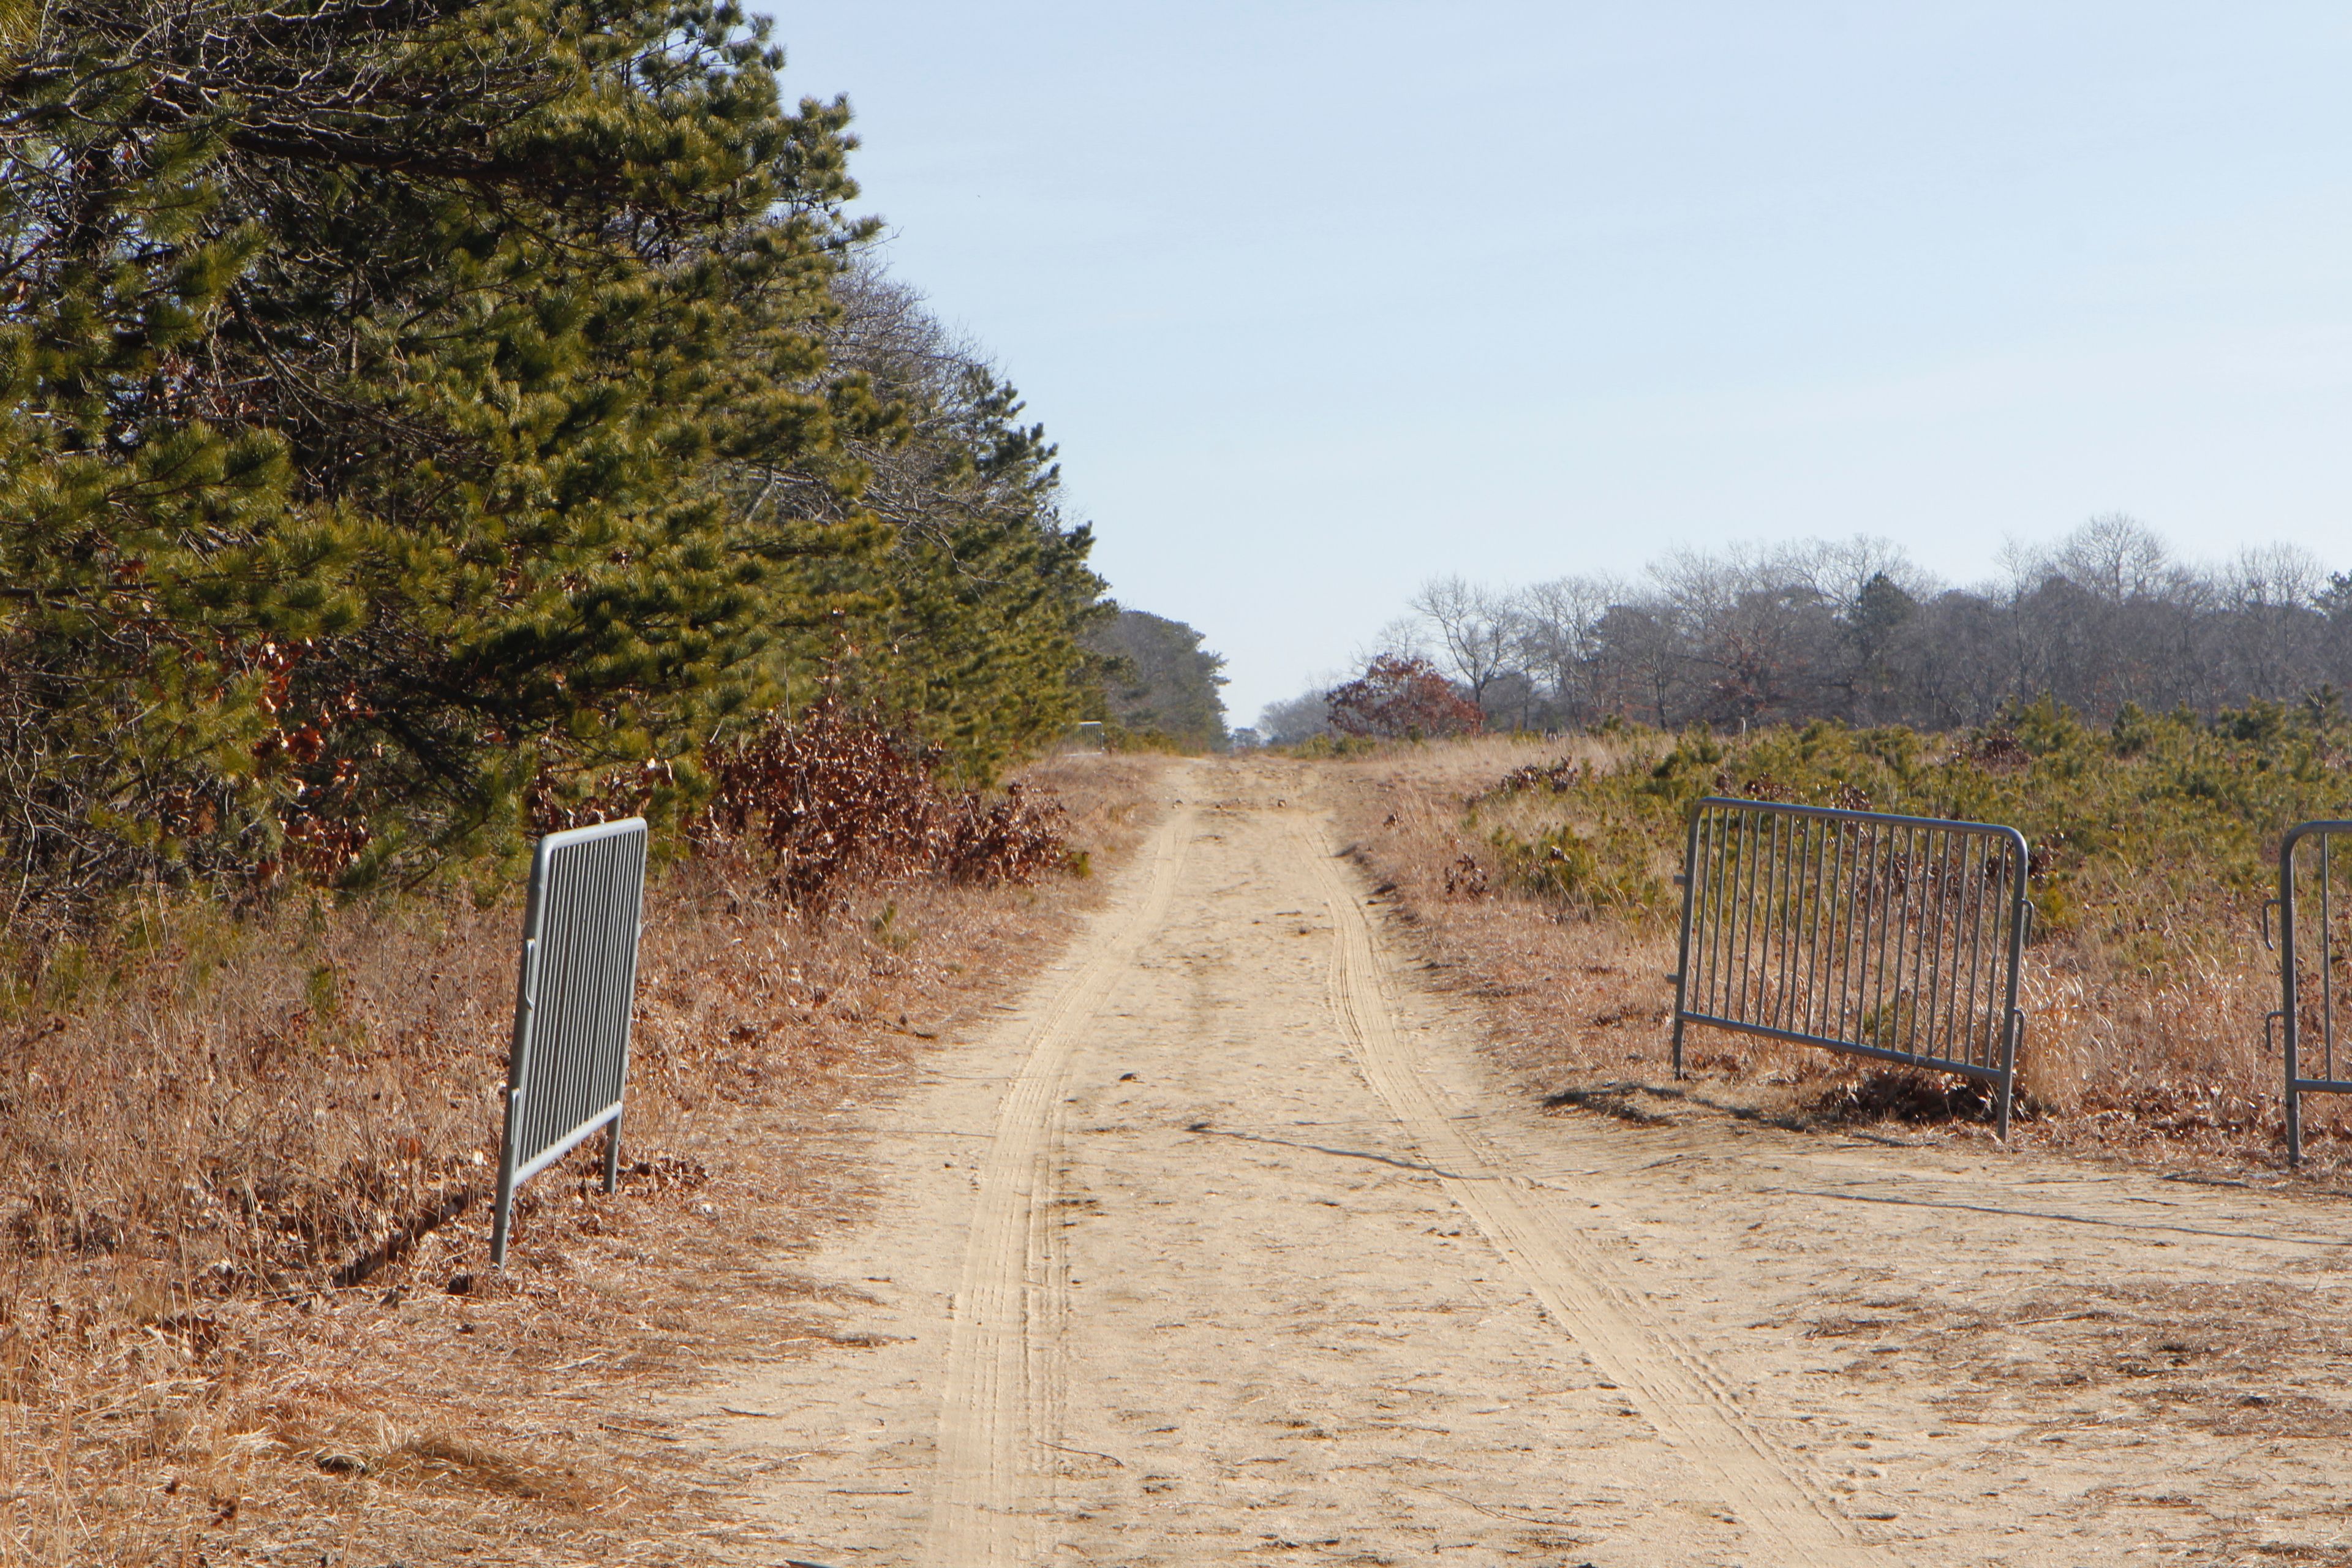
(1159, 680)
(979, 600)
(368, 367)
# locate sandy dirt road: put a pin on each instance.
(1225, 1247)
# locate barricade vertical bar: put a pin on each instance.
(1865, 871)
(1772, 946)
(1758, 872)
(1914, 930)
(1767, 928)
(628, 989)
(1818, 866)
(1883, 913)
(2012, 1021)
(1788, 919)
(1906, 945)
(1873, 1019)
(1825, 941)
(1692, 871)
(2327, 965)
(2288, 1005)
(1857, 936)
(1940, 1000)
(1907, 1012)
(1956, 895)
(1923, 969)
(1744, 910)
(518, 1070)
(1995, 891)
(1813, 925)
(1773, 980)
(1946, 937)
(1972, 885)
(1909, 942)
(1853, 831)
(1712, 830)
(1923, 946)
(1716, 891)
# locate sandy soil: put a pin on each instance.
(1228, 1246)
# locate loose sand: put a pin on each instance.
(1228, 1246)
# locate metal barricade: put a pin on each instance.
(1896, 937)
(2308, 939)
(572, 1000)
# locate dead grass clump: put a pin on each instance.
(1014, 839)
(244, 1306)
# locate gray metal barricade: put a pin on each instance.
(1896, 937)
(570, 1056)
(2305, 934)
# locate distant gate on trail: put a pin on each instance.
(2313, 982)
(1896, 937)
(570, 1056)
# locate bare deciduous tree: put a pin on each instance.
(1475, 630)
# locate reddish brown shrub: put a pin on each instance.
(1015, 839)
(1398, 699)
(838, 798)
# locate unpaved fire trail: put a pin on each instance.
(1226, 1247)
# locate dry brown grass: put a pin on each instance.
(235, 1324)
(2116, 1062)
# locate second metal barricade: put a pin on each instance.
(1894, 937)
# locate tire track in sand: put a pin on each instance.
(1767, 1489)
(999, 1387)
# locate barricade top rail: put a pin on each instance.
(555, 843)
(2303, 830)
(1856, 814)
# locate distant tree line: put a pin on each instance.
(2106, 618)
(422, 421)
(1157, 682)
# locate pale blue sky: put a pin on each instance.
(1321, 300)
